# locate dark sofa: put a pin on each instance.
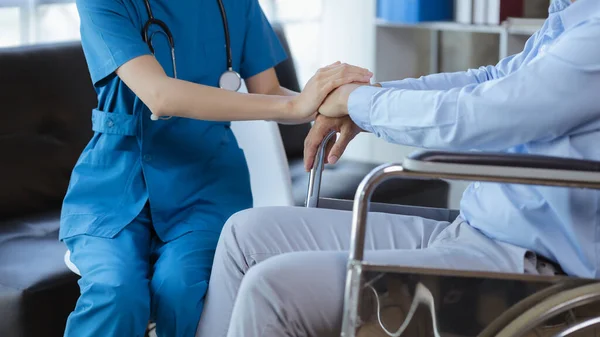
(45, 95)
(46, 98)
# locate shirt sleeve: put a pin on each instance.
(553, 95)
(108, 36)
(262, 49)
(446, 81)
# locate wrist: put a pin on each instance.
(348, 90)
(285, 108)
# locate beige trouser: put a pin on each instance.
(281, 271)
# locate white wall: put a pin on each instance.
(348, 31)
(348, 35)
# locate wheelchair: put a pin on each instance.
(387, 300)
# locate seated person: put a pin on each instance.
(281, 271)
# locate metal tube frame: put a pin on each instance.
(359, 220)
(316, 173)
(578, 327)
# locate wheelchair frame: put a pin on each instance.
(517, 169)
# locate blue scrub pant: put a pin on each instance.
(134, 277)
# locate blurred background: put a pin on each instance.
(394, 38)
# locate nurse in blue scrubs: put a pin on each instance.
(163, 171)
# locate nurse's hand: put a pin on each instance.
(323, 126)
(304, 106)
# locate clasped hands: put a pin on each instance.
(327, 94)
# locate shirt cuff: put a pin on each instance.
(359, 106)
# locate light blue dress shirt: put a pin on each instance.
(192, 172)
(545, 101)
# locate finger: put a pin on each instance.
(311, 144)
(329, 146)
(340, 146)
(329, 85)
(346, 68)
(329, 79)
(338, 77)
(337, 63)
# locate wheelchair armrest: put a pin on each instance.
(518, 169)
(507, 160)
(552, 170)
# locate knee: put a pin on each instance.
(272, 279)
(289, 275)
(175, 293)
(244, 230)
(246, 223)
(254, 226)
(262, 284)
(117, 290)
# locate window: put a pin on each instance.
(302, 23)
(33, 21)
(28, 22)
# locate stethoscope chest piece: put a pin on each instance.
(230, 80)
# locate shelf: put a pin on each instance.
(444, 26)
(519, 26)
(523, 30)
(525, 27)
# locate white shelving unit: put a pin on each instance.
(512, 35)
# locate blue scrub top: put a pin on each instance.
(192, 172)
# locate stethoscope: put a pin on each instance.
(229, 80)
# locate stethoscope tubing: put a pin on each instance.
(167, 32)
(153, 21)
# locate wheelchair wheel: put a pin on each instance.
(518, 309)
(562, 314)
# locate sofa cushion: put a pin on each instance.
(47, 97)
(37, 290)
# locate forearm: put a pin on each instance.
(445, 81)
(526, 106)
(281, 91)
(166, 96)
(190, 100)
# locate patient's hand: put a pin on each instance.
(323, 125)
(336, 103)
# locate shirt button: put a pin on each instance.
(476, 185)
(110, 123)
(147, 157)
